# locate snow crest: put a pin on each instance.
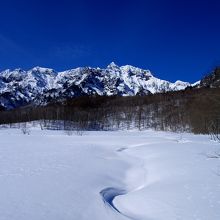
(40, 85)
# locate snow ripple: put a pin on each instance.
(110, 193)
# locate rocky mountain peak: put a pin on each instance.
(41, 85)
(112, 65)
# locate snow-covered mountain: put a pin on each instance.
(42, 85)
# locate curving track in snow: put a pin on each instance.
(110, 193)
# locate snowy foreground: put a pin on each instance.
(49, 175)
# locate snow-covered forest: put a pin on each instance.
(192, 110)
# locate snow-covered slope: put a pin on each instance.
(211, 80)
(41, 85)
(124, 175)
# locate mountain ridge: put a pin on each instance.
(40, 85)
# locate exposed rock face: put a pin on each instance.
(42, 85)
(212, 80)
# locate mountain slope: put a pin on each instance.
(212, 80)
(42, 85)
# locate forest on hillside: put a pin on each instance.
(192, 110)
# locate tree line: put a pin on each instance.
(193, 110)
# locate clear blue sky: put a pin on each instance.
(174, 39)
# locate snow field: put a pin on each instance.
(48, 175)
